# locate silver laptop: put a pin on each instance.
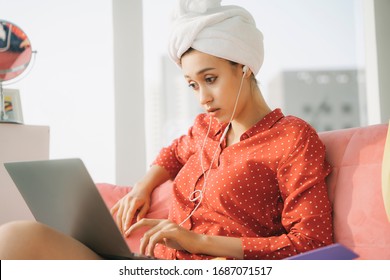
(61, 194)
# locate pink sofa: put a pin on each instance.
(360, 220)
(355, 189)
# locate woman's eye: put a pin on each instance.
(192, 85)
(210, 80)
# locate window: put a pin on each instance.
(313, 56)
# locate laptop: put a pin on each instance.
(61, 194)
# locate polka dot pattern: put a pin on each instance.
(268, 189)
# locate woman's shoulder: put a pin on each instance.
(298, 126)
(294, 121)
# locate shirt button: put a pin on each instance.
(244, 136)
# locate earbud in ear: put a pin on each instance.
(245, 69)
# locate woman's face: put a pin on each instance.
(215, 81)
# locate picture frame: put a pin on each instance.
(11, 107)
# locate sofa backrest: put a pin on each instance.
(355, 189)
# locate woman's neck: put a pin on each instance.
(252, 113)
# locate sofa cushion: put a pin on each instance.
(360, 220)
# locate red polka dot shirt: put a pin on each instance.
(268, 189)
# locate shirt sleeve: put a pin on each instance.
(307, 212)
(173, 157)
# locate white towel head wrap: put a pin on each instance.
(227, 32)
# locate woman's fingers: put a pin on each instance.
(126, 209)
(142, 223)
(161, 231)
(142, 213)
(149, 240)
(157, 234)
(122, 213)
(115, 208)
(128, 218)
(119, 215)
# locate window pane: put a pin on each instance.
(313, 65)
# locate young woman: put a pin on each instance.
(249, 182)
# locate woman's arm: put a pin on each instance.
(222, 246)
(307, 212)
(154, 177)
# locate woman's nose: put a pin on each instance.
(204, 96)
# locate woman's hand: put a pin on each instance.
(137, 200)
(167, 233)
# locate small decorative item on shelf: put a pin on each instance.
(15, 57)
(11, 111)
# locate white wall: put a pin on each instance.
(70, 88)
(129, 92)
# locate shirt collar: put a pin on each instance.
(262, 125)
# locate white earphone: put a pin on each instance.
(245, 69)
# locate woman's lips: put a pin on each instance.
(212, 110)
